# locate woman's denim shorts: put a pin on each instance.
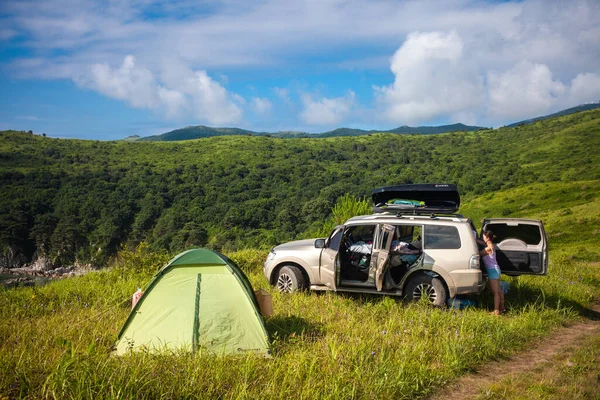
(493, 273)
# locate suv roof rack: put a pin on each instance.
(424, 198)
(414, 213)
(412, 210)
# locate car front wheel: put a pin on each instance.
(428, 287)
(290, 279)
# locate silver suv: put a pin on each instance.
(413, 246)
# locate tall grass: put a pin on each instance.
(56, 340)
(325, 346)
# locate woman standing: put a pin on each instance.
(493, 270)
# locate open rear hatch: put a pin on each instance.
(417, 198)
(522, 245)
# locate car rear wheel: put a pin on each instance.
(428, 287)
(290, 279)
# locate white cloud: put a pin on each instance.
(211, 101)
(283, 94)
(191, 93)
(224, 79)
(585, 88)
(129, 82)
(7, 34)
(526, 90)
(432, 79)
(261, 105)
(234, 33)
(175, 102)
(327, 111)
(438, 73)
(238, 99)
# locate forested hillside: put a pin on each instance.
(74, 200)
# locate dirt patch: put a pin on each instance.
(542, 351)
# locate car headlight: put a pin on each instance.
(270, 256)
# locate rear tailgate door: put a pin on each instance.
(522, 245)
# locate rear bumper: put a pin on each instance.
(468, 281)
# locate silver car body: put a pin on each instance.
(458, 267)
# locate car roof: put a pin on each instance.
(396, 218)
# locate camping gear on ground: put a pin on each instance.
(199, 301)
(265, 302)
(459, 303)
(136, 297)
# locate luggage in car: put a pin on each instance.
(417, 198)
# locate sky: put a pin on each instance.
(108, 69)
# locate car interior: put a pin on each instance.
(405, 251)
(355, 253)
(356, 249)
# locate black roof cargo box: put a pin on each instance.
(417, 198)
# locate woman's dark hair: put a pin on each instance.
(490, 234)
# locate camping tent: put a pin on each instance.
(200, 300)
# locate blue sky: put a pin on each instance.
(109, 69)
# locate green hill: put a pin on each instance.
(132, 138)
(436, 129)
(568, 111)
(76, 200)
(198, 132)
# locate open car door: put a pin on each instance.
(381, 254)
(522, 245)
(330, 259)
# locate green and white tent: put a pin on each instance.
(199, 301)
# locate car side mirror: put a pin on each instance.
(320, 243)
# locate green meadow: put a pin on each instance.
(128, 207)
(56, 339)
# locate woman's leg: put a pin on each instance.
(501, 297)
(495, 286)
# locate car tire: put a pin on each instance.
(290, 279)
(425, 285)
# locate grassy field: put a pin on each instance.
(573, 374)
(55, 340)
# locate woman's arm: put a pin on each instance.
(489, 249)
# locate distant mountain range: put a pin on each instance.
(421, 130)
(572, 110)
(197, 132)
(201, 131)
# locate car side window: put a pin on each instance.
(335, 239)
(441, 237)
